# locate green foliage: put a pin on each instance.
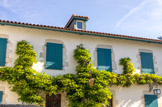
(26, 82)
(82, 95)
(127, 66)
(32, 86)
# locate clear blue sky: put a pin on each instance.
(141, 18)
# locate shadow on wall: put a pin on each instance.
(134, 103)
(17, 105)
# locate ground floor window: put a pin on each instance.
(1, 96)
(151, 101)
(53, 100)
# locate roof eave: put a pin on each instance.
(79, 32)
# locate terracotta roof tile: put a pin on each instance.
(80, 16)
(90, 32)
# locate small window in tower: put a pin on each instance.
(79, 25)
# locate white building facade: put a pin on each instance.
(69, 37)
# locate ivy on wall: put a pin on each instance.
(32, 86)
(25, 81)
(127, 65)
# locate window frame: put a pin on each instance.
(5, 52)
(143, 52)
(111, 70)
(46, 57)
(77, 24)
(1, 97)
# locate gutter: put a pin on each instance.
(77, 32)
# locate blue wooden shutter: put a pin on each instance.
(1, 94)
(3, 45)
(104, 59)
(147, 63)
(151, 101)
(54, 56)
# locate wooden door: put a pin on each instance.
(53, 100)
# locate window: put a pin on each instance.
(79, 25)
(104, 60)
(54, 56)
(53, 100)
(1, 96)
(151, 101)
(147, 65)
(3, 46)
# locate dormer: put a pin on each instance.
(77, 22)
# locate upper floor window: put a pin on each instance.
(3, 46)
(147, 65)
(79, 24)
(104, 61)
(54, 56)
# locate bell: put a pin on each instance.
(91, 82)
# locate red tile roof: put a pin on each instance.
(80, 16)
(4, 22)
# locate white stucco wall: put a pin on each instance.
(124, 97)
(8, 96)
(132, 96)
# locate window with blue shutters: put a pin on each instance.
(104, 61)
(147, 65)
(1, 96)
(3, 46)
(54, 56)
(151, 101)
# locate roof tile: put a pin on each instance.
(101, 33)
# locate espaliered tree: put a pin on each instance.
(86, 88)
(84, 94)
(26, 82)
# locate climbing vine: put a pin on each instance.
(127, 65)
(84, 95)
(26, 82)
(32, 86)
